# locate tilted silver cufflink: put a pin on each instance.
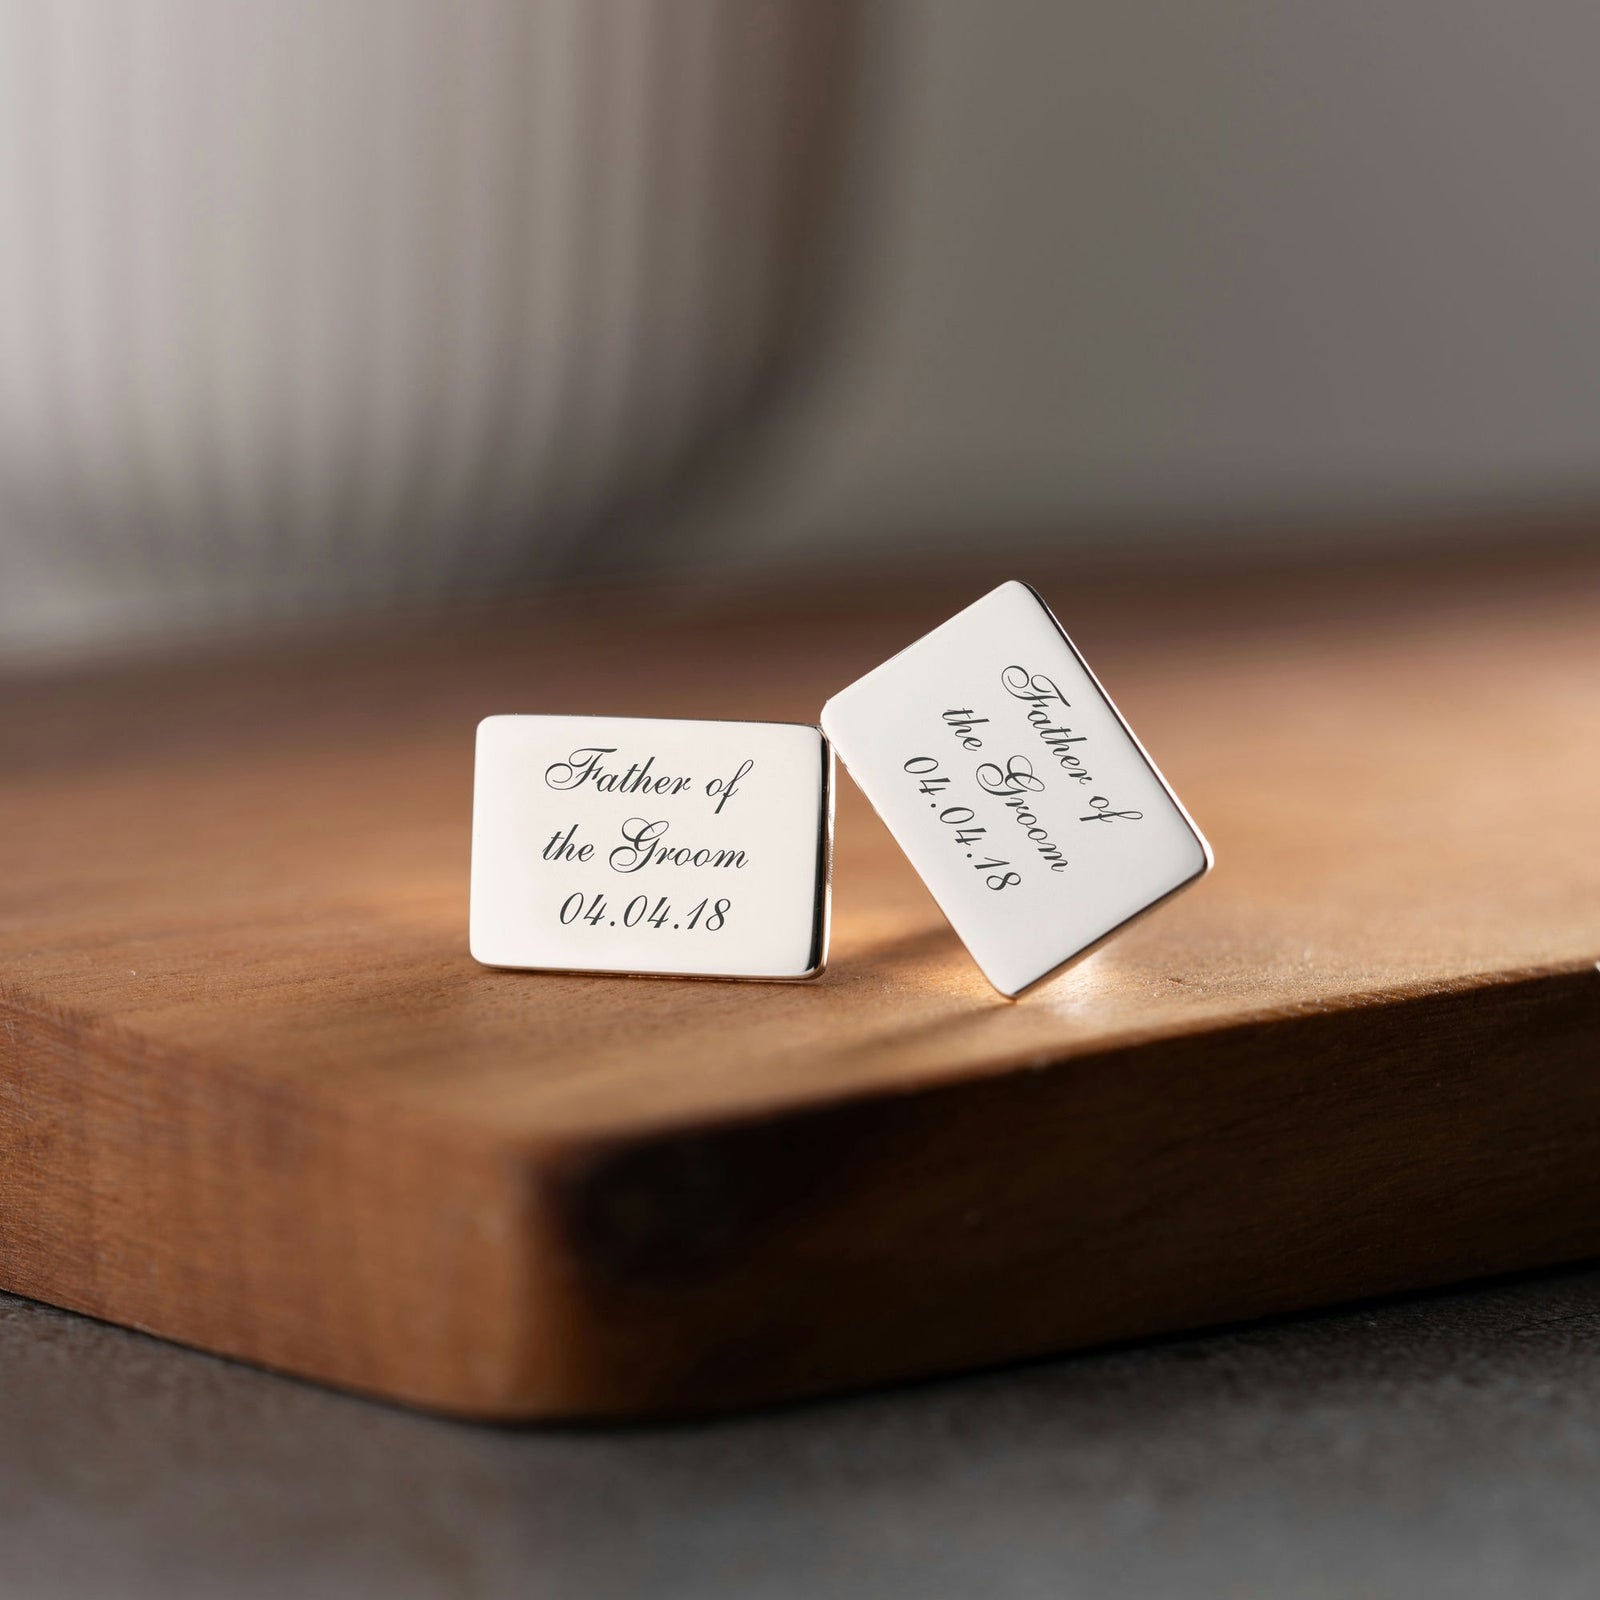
(1005, 773)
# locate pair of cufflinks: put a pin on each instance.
(644, 846)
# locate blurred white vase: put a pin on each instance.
(309, 303)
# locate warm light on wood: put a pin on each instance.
(256, 1095)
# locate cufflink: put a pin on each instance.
(636, 845)
(1032, 812)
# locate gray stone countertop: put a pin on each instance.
(1446, 1445)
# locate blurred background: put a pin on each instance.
(313, 311)
(320, 305)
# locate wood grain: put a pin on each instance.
(255, 1096)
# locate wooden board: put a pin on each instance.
(255, 1096)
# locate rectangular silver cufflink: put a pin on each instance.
(1020, 795)
(651, 846)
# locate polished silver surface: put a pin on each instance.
(642, 845)
(1021, 796)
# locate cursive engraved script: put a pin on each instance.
(1012, 784)
(642, 847)
(1039, 692)
(585, 766)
